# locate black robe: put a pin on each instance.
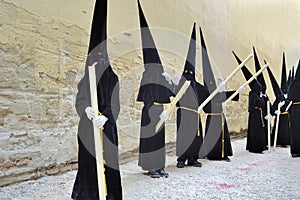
(154, 91)
(256, 135)
(86, 185)
(283, 134)
(217, 144)
(294, 111)
(189, 125)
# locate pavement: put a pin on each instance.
(273, 175)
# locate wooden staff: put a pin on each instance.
(98, 136)
(269, 126)
(277, 124)
(215, 92)
(173, 103)
(246, 83)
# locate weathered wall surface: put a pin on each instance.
(43, 45)
(40, 58)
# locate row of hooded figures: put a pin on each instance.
(156, 88)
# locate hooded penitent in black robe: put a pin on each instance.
(283, 135)
(263, 94)
(86, 184)
(216, 145)
(256, 135)
(153, 92)
(189, 126)
(294, 111)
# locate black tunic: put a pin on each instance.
(294, 111)
(86, 185)
(217, 144)
(256, 136)
(189, 125)
(152, 144)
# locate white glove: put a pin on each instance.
(177, 78)
(163, 116)
(90, 112)
(281, 103)
(224, 105)
(267, 118)
(167, 77)
(241, 89)
(261, 94)
(285, 96)
(222, 86)
(277, 112)
(100, 121)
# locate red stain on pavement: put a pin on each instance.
(246, 170)
(224, 186)
(263, 162)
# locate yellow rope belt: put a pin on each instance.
(223, 131)
(157, 104)
(284, 113)
(261, 116)
(195, 111)
(296, 103)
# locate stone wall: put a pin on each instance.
(43, 45)
(40, 59)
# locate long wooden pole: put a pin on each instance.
(98, 136)
(277, 125)
(173, 103)
(215, 92)
(269, 126)
(246, 83)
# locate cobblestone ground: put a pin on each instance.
(272, 175)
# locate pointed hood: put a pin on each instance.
(260, 77)
(190, 63)
(254, 85)
(150, 53)
(98, 30)
(283, 75)
(208, 75)
(297, 75)
(153, 86)
(97, 50)
(276, 89)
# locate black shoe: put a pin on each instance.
(162, 173)
(194, 163)
(226, 159)
(295, 155)
(154, 174)
(180, 164)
